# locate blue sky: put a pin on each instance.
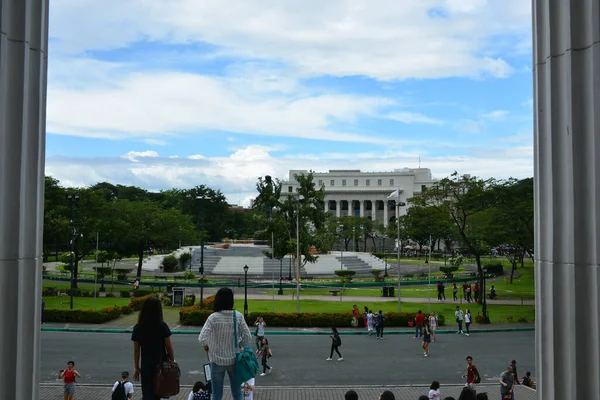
(163, 94)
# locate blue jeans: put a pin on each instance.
(217, 374)
(418, 331)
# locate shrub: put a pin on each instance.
(189, 300)
(125, 293)
(449, 270)
(184, 260)
(494, 268)
(345, 274)
(136, 303)
(377, 275)
(208, 303)
(142, 293)
(49, 291)
(122, 273)
(169, 263)
(83, 316)
(106, 271)
(166, 300)
(189, 275)
(479, 319)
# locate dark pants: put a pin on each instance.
(147, 378)
(418, 331)
(336, 348)
(265, 365)
(379, 329)
(460, 325)
(454, 295)
(467, 326)
(259, 340)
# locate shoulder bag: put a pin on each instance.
(166, 377)
(246, 364)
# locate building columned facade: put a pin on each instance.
(365, 194)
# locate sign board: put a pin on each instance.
(178, 296)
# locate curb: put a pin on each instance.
(282, 333)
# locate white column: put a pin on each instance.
(385, 213)
(361, 205)
(567, 197)
(373, 210)
(326, 205)
(23, 60)
(338, 208)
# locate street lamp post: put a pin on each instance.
(298, 256)
(398, 205)
(385, 275)
(245, 291)
(342, 249)
(280, 276)
(190, 259)
(72, 198)
(201, 269)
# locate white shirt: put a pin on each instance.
(434, 394)
(261, 328)
(217, 334)
(247, 392)
(433, 321)
(128, 386)
(468, 318)
(370, 319)
(459, 315)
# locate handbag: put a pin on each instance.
(166, 378)
(246, 364)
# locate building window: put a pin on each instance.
(356, 182)
(320, 182)
(332, 182)
(392, 182)
(423, 188)
(379, 182)
(343, 182)
(290, 189)
(368, 182)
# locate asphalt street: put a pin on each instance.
(300, 360)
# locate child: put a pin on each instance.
(123, 389)
(336, 342)
(200, 391)
(248, 389)
(434, 391)
(69, 376)
(265, 352)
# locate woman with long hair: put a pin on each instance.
(426, 338)
(152, 341)
(336, 342)
(468, 321)
(217, 338)
(265, 353)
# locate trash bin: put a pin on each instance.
(385, 291)
(391, 291)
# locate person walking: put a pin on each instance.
(426, 339)
(260, 332)
(370, 322)
(507, 384)
(472, 374)
(123, 386)
(265, 354)
(475, 292)
(216, 337)
(468, 321)
(514, 371)
(151, 337)
(336, 342)
(455, 292)
(419, 318)
(379, 325)
(355, 315)
(433, 323)
(365, 319)
(69, 377)
(440, 290)
(459, 318)
(468, 293)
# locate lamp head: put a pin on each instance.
(245, 268)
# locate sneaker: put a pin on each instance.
(425, 354)
(329, 359)
(466, 334)
(457, 332)
(341, 359)
(263, 374)
(269, 371)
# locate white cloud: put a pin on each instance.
(134, 155)
(235, 175)
(496, 114)
(414, 118)
(376, 38)
(155, 142)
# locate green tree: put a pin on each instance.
(425, 223)
(466, 200)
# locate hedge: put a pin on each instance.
(94, 316)
(194, 316)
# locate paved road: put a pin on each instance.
(53, 392)
(300, 360)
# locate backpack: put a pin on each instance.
(476, 377)
(338, 341)
(119, 392)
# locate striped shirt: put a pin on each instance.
(217, 334)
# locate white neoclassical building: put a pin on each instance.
(365, 194)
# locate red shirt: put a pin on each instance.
(420, 318)
(471, 372)
(69, 376)
(355, 312)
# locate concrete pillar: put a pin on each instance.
(567, 197)
(385, 213)
(361, 206)
(338, 208)
(326, 205)
(373, 210)
(23, 60)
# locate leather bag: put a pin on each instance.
(166, 378)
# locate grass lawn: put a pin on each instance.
(83, 303)
(63, 286)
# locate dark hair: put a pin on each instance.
(387, 395)
(419, 312)
(528, 373)
(468, 358)
(223, 299)
(481, 396)
(423, 397)
(71, 362)
(513, 362)
(198, 385)
(266, 340)
(334, 329)
(351, 395)
(151, 314)
(467, 394)
(449, 397)
(434, 385)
